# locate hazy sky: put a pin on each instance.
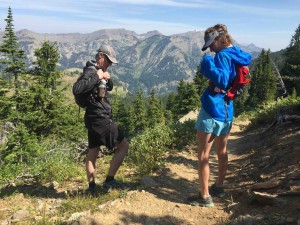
(269, 24)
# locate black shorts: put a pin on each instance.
(103, 132)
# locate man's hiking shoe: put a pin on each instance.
(113, 184)
(90, 191)
(217, 191)
(200, 201)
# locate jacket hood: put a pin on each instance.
(91, 63)
(238, 56)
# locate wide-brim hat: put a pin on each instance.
(109, 52)
(209, 38)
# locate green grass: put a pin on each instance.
(82, 203)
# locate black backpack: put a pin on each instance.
(81, 99)
(80, 92)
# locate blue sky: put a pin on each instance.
(269, 24)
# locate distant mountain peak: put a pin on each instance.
(117, 31)
(150, 34)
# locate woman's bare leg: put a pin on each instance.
(221, 147)
(204, 143)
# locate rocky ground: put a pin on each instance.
(263, 187)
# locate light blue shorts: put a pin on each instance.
(207, 124)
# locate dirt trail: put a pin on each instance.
(166, 203)
(253, 158)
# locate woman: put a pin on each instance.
(216, 115)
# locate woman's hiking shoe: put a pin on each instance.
(217, 191)
(200, 201)
(113, 184)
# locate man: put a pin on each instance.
(102, 130)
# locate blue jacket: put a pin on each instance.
(221, 70)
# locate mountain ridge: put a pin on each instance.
(146, 61)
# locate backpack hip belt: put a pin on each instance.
(242, 78)
(214, 88)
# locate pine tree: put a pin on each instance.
(240, 103)
(200, 81)
(127, 118)
(5, 101)
(22, 147)
(271, 82)
(291, 69)
(47, 58)
(115, 100)
(169, 118)
(155, 112)
(181, 100)
(13, 64)
(187, 98)
(122, 114)
(292, 64)
(171, 107)
(40, 106)
(263, 84)
(192, 96)
(139, 112)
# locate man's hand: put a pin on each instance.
(103, 75)
(106, 75)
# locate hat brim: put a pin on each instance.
(207, 44)
(112, 59)
(209, 39)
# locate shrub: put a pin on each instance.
(21, 147)
(268, 112)
(147, 149)
(45, 160)
(9, 172)
(184, 133)
(56, 166)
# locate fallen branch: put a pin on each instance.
(268, 199)
(280, 119)
(290, 193)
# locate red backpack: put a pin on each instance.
(243, 78)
